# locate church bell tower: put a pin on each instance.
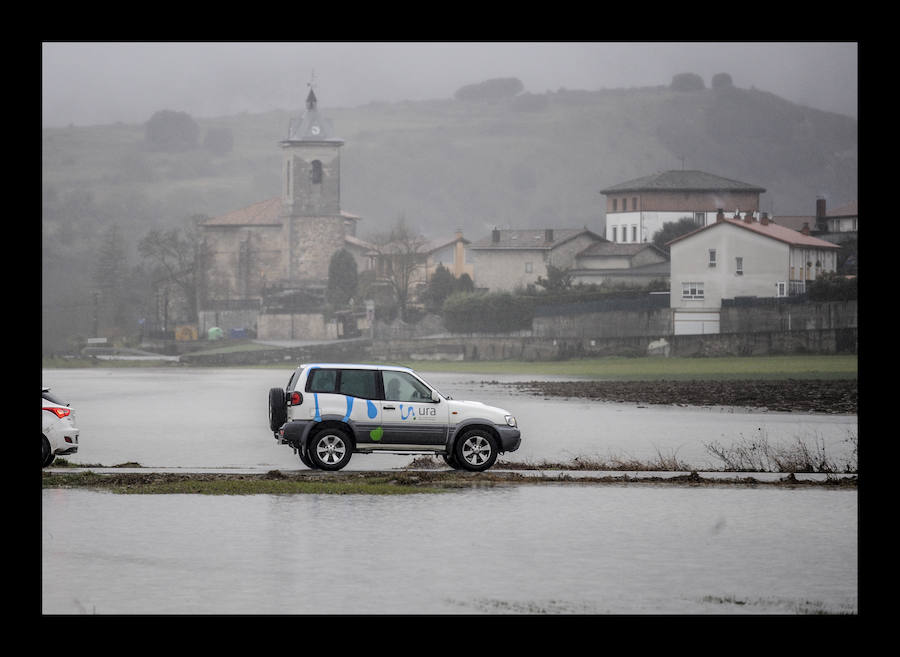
(311, 194)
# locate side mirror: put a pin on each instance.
(435, 397)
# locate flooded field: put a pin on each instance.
(524, 549)
(573, 549)
(218, 418)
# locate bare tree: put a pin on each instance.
(401, 256)
(177, 255)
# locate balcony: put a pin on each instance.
(796, 288)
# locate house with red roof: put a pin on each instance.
(741, 256)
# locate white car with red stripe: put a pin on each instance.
(59, 433)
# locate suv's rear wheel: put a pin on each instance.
(277, 408)
(330, 449)
(476, 450)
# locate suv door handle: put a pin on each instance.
(389, 408)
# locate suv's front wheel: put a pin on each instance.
(330, 449)
(476, 450)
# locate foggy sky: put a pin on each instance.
(101, 83)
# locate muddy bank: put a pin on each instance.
(838, 396)
(388, 482)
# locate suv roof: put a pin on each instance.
(358, 366)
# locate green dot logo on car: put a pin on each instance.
(376, 433)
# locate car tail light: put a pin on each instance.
(60, 412)
(295, 399)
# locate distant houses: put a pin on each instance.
(509, 259)
(266, 265)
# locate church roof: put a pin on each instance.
(263, 213)
(311, 126)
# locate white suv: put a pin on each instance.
(58, 432)
(327, 412)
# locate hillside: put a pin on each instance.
(533, 160)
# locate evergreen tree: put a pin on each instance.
(342, 278)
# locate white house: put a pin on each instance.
(737, 257)
(637, 209)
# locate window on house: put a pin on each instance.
(316, 173)
(712, 257)
(615, 234)
(781, 289)
(700, 218)
(634, 202)
(615, 205)
(634, 233)
(528, 268)
(692, 290)
(739, 266)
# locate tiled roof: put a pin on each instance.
(531, 238)
(655, 268)
(434, 245)
(795, 222)
(355, 241)
(606, 248)
(264, 213)
(773, 230)
(849, 210)
(680, 180)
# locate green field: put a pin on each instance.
(616, 368)
(650, 368)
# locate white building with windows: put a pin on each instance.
(637, 209)
(741, 257)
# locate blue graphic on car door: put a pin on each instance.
(408, 414)
(348, 395)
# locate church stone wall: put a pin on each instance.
(314, 240)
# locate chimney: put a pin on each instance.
(764, 219)
(459, 233)
(748, 216)
(495, 235)
(805, 229)
(821, 222)
(548, 235)
(720, 215)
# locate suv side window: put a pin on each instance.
(400, 386)
(358, 383)
(321, 381)
(294, 378)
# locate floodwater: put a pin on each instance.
(569, 549)
(161, 417)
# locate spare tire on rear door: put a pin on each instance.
(277, 408)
